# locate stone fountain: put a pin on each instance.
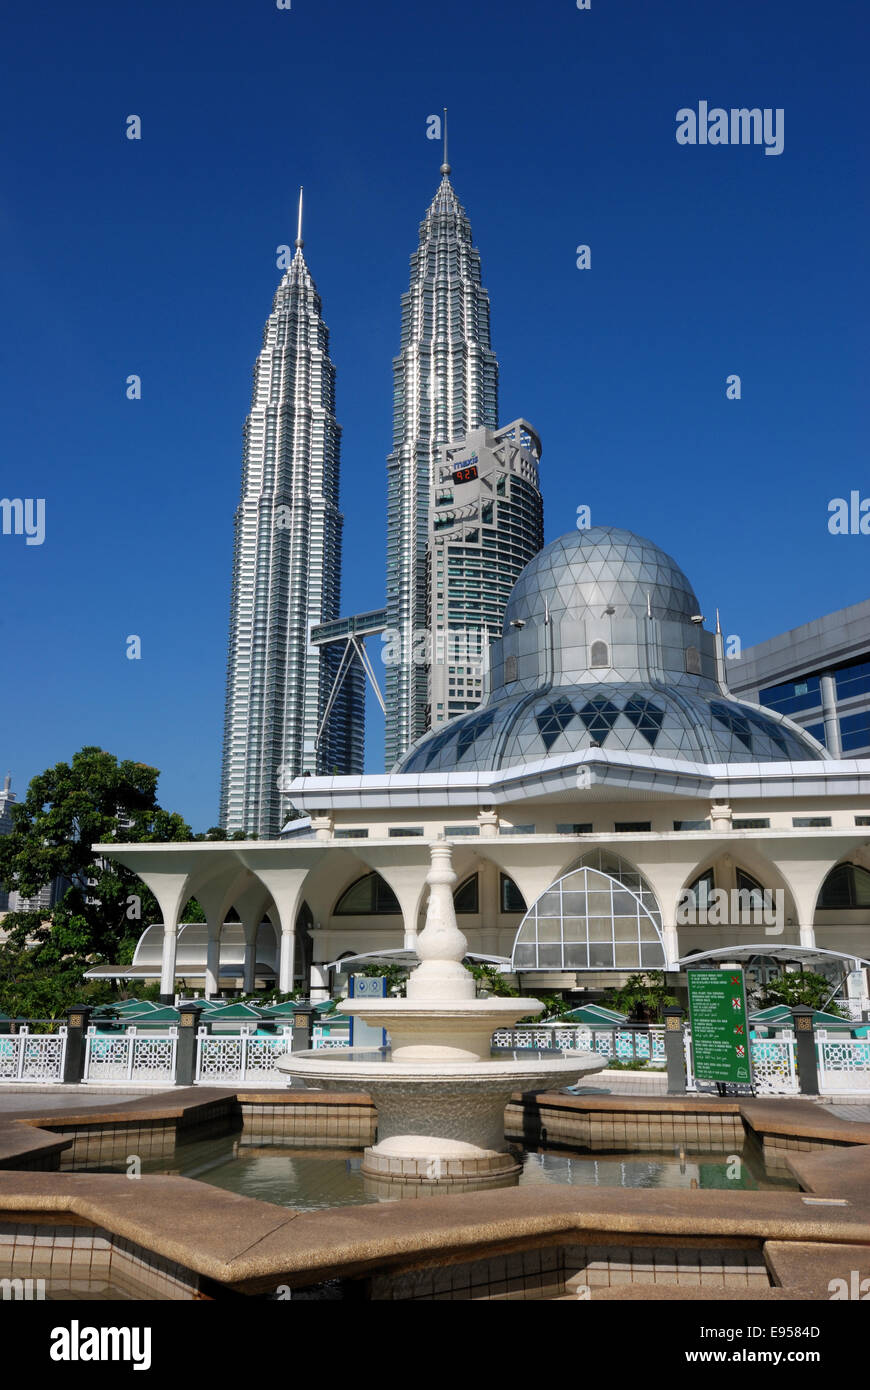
(440, 1095)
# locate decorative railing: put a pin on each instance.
(623, 1046)
(146, 1058)
(26, 1056)
(245, 1057)
(844, 1064)
(329, 1037)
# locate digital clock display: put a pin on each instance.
(465, 475)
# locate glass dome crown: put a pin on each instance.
(603, 645)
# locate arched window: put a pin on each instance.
(747, 884)
(702, 887)
(369, 896)
(599, 656)
(847, 886)
(693, 661)
(590, 919)
(465, 899)
(512, 899)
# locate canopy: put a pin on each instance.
(244, 1012)
(787, 954)
(597, 1016)
(780, 1014)
(397, 955)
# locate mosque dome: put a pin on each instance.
(603, 645)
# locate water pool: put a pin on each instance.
(311, 1179)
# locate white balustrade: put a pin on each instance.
(146, 1058)
(245, 1057)
(642, 1045)
(844, 1064)
(38, 1057)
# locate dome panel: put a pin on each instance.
(662, 691)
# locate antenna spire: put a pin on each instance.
(299, 242)
(445, 167)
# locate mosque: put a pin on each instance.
(608, 778)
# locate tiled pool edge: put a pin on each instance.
(460, 1247)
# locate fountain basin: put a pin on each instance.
(439, 1121)
(458, 1032)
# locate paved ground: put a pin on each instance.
(851, 1112)
(13, 1101)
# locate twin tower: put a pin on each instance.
(464, 515)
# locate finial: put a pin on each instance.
(718, 624)
(299, 242)
(445, 167)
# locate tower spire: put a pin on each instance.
(445, 167)
(299, 242)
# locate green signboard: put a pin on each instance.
(720, 1032)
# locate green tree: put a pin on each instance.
(642, 997)
(490, 979)
(805, 988)
(103, 908)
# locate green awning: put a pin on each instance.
(596, 1016)
(242, 1012)
(779, 1015)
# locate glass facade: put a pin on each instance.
(287, 575)
(855, 731)
(853, 680)
(445, 383)
(602, 915)
(794, 696)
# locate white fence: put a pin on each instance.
(149, 1058)
(245, 1057)
(26, 1056)
(647, 1046)
(146, 1058)
(844, 1064)
(329, 1037)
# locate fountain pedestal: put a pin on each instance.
(441, 1095)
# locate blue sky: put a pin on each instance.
(157, 257)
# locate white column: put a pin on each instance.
(212, 960)
(808, 935)
(250, 929)
(828, 692)
(167, 964)
(488, 900)
(287, 959)
(410, 940)
(319, 986)
(671, 940)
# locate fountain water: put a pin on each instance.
(440, 1095)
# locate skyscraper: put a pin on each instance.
(287, 573)
(445, 383)
(485, 524)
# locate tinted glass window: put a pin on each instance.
(855, 731)
(793, 696)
